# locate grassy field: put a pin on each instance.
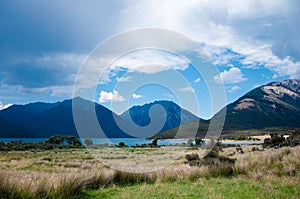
(257, 173)
(205, 188)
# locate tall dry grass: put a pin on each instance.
(60, 181)
(271, 162)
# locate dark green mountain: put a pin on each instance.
(11, 129)
(273, 105)
(196, 128)
(276, 104)
(161, 111)
(22, 114)
(47, 119)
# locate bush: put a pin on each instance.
(192, 157)
(123, 178)
(53, 142)
(218, 165)
(154, 142)
(294, 139)
(198, 141)
(122, 144)
(275, 141)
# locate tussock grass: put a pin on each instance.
(272, 162)
(66, 188)
(52, 178)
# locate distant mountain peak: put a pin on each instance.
(292, 84)
(271, 105)
(276, 104)
(157, 102)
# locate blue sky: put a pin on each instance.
(43, 44)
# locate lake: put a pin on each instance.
(128, 141)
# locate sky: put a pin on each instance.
(43, 44)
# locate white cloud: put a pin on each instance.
(150, 62)
(136, 96)
(186, 89)
(2, 106)
(263, 32)
(147, 61)
(234, 75)
(233, 89)
(124, 79)
(197, 80)
(110, 96)
(61, 91)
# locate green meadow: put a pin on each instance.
(257, 172)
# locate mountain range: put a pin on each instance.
(276, 104)
(46, 119)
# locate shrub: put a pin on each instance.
(192, 157)
(294, 139)
(122, 144)
(124, 178)
(218, 165)
(198, 141)
(154, 142)
(275, 141)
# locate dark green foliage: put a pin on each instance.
(59, 141)
(276, 140)
(218, 165)
(123, 178)
(53, 142)
(154, 143)
(192, 157)
(198, 141)
(122, 144)
(294, 139)
(242, 137)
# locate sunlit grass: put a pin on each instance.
(203, 188)
(74, 173)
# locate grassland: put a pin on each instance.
(80, 173)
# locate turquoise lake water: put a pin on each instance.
(127, 141)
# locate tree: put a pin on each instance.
(154, 142)
(122, 144)
(198, 141)
(62, 141)
(88, 142)
(54, 140)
